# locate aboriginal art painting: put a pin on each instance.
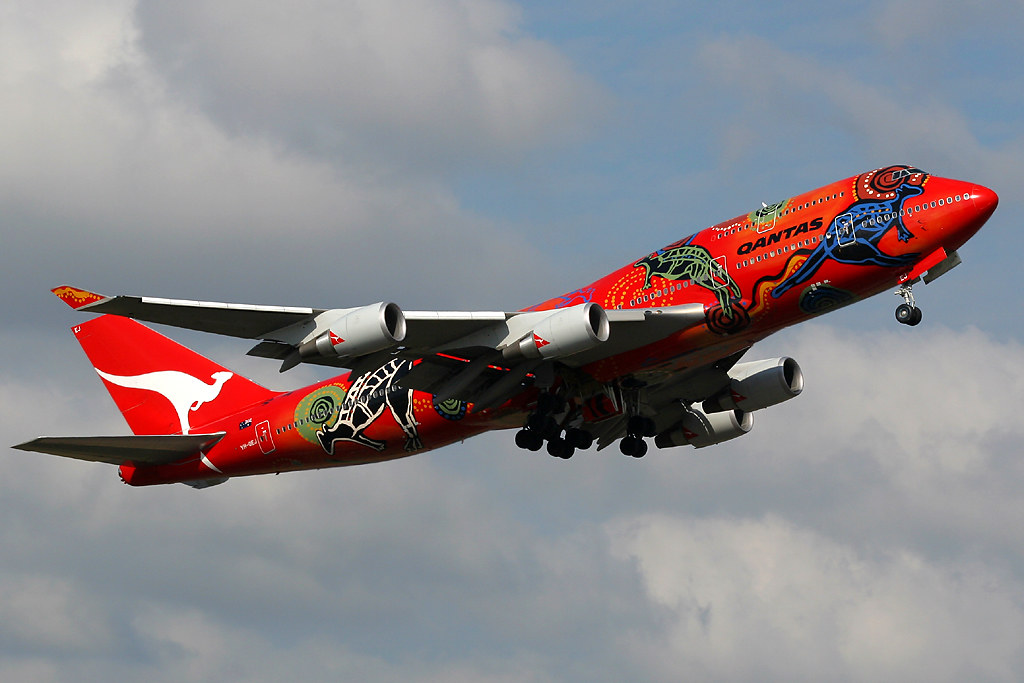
(334, 412)
(685, 261)
(854, 236)
(876, 207)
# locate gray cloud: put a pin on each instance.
(868, 529)
(763, 600)
(102, 152)
(864, 528)
(426, 83)
(865, 106)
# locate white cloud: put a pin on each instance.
(420, 81)
(784, 91)
(100, 151)
(280, 155)
(800, 550)
(45, 613)
(764, 600)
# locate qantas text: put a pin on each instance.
(775, 237)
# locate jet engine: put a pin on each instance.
(700, 429)
(757, 385)
(358, 331)
(563, 333)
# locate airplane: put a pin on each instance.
(653, 351)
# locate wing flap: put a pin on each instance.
(633, 328)
(117, 450)
(435, 329)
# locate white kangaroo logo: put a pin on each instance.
(184, 391)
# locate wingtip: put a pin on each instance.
(77, 298)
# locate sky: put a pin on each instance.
(487, 154)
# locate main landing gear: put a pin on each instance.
(542, 426)
(633, 443)
(546, 425)
(907, 313)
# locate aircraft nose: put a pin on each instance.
(985, 200)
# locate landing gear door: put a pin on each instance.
(843, 230)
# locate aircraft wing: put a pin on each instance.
(233, 320)
(358, 338)
(117, 450)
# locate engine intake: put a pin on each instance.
(757, 385)
(699, 429)
(563, 333)
(358, 332)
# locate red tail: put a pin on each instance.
(160, 386)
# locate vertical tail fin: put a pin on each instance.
(160, 386)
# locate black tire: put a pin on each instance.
(581, 438)
(529, 440)
(560, 449)
(905, 314)
(633, 446)
(915, 319)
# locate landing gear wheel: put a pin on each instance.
(560, 449)
(579, 438)
(908, 315)
(633, 446)
(529, 440)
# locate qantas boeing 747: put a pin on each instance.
(654, 351)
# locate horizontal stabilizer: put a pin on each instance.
(117, 450)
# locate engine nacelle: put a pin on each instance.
(358, 332)
(758, 385)
(563, 333)
(699, 429)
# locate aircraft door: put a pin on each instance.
(766, 216)
(843, 230)
(718, 273)
(266, 441)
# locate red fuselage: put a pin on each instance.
(755, 274)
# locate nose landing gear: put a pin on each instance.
(907, 313)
